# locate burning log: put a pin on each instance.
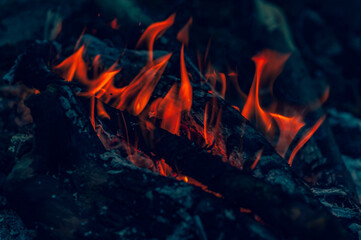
(91, 199)
(283, 189)
(241, 141)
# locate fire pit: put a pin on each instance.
(133, 120)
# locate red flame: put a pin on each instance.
(185, 92)
(233, 76)
(252, 108)
(205, 122)
(153, 32)
(135, 96)
(177, 102)
(269, 65)
(183, 34)
(288, 127)
(305, 138)
(171, 109)
(257, 158)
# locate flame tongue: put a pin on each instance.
(288, 128)
(72, 65)
(141, 87)
(305, 138)
(252, 108)
(183, 34)
(185, 93)
(153, 32)
(176, 101)
(269, 65)
(171, 110)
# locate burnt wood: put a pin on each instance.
(87, 199)
(280, 198)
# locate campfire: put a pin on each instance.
(142, 130)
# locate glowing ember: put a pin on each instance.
(114, 24)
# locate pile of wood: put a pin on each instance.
(65, 183)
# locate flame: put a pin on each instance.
(205, 123)
(257, 158)
(269, 65)
(233, 76)
(73, 64)
(305, 138)
(186, 91)
(101, 111)
(222, 78)
(92, 119)
(135, 96)
(96, 65)
(171, 109)
(79, 39)
(288, 128)
(183, 34)
(237, 108)
(212, 122)
(153, 32)
(97, 87)
(252, 108)
(141, 87)
(177, 102)
(212, 76)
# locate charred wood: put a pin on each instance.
(85, 198)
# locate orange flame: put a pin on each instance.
(73, 64)
(101, 111)
(153, 32)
